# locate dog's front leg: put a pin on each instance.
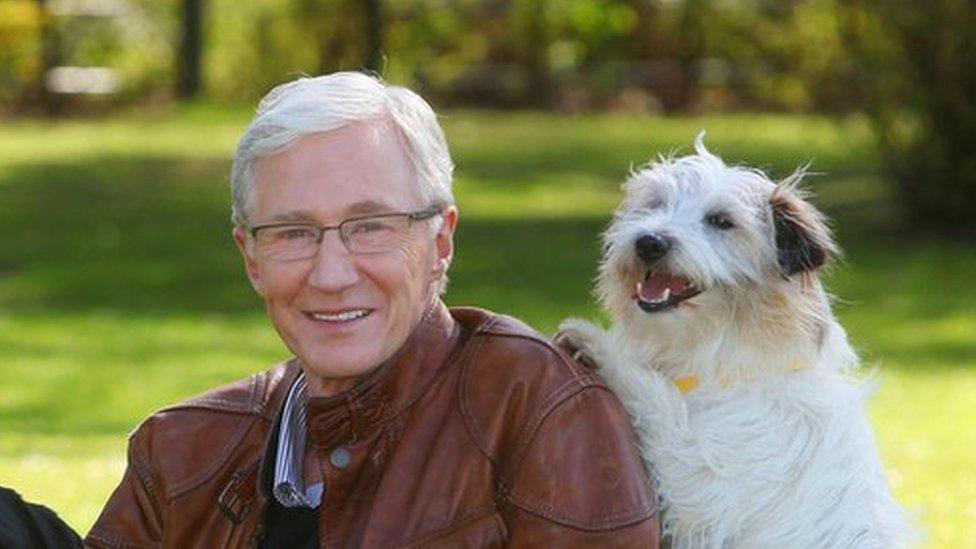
(584, 341)
(656, 407)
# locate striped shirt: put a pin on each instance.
(289, 483)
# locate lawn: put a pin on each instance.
(121, 291)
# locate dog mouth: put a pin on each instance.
(660, 291)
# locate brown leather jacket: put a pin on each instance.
(477, 433)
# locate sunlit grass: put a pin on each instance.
(120, 289)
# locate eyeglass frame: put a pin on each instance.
(419, 215)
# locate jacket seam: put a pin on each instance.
(470, 423)
(607, 521)
(116, 542)
(216, 464)
(573, 367)
(481, 333)
(450, 527)
(215, 405)
(535, 506)
(526, 435)
(541, 342)
(226, 404)
(257, 391)
(252, 404)
(142, 468)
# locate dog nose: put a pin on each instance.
(651, 247)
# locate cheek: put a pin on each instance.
(282, 282)
(402, 276)
(417, 261)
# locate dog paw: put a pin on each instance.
(582, 341)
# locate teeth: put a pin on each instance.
(341, 317)
(666, 295)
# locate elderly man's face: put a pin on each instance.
(344, 313)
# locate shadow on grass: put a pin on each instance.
(137, 237)
(151, 235)
(505, 149)
(136, 234)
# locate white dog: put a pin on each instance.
(737, 376)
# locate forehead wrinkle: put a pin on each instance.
(294, 215)
(365, 207)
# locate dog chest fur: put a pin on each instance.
(756, 465)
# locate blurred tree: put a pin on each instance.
(689, 35)
(347, 34)
(919, 90)
(49, 58)
(532, 50)
(373, 30)
(189, 65)
(635, 55)
(20, 54)
(783, 54)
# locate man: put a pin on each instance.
(399, 422)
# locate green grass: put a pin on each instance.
(121, 291)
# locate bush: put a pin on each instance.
(919, 89)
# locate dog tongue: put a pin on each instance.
(652, 288)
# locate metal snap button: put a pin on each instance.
(339, 457)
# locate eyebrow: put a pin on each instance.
(368, 207)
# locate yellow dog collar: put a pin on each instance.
(690, 383)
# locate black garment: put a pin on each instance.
(28, 526)
(285, 527)
(290, 527)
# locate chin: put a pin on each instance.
(336, 370)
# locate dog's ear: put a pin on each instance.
(803, 240)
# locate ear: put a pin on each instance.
(444, 240)
(803, 240)
(250, 264)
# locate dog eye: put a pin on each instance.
(655, 204)
(719, 221)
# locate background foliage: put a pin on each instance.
(553, 53)
(120, 290)
(906, 64)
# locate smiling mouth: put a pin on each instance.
(660, 291)
(339, 317)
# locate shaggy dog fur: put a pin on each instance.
(737, 376)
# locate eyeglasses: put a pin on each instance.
(362, 235)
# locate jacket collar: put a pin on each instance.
(347, 416)
(392, 387)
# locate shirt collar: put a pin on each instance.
(289, 483)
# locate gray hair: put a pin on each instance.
(324, 103)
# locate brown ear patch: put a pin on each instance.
(803, 240)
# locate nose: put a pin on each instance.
(652, 247)
(334, 268)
